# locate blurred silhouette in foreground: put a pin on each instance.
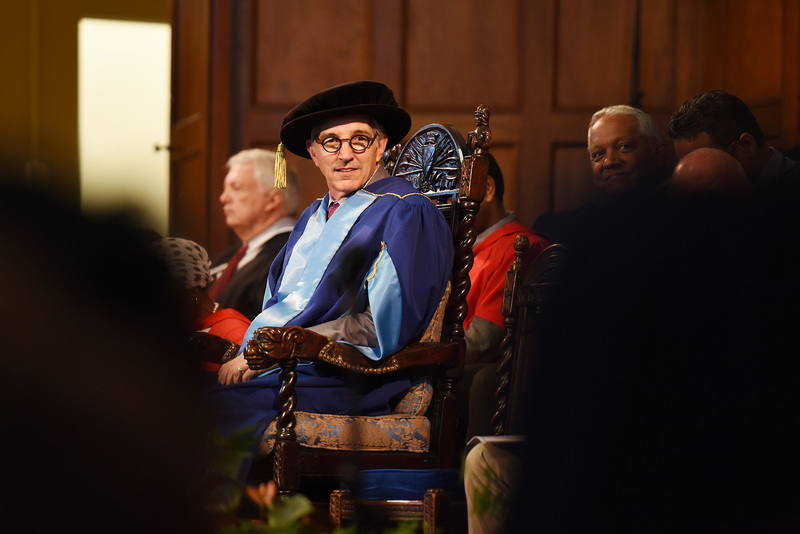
(103, 425)
(665, 397)
(706, 172)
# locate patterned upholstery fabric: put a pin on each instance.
(396, 432)
(418, 398)
(434, 331)
(406, 429)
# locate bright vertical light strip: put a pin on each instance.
(123, 112)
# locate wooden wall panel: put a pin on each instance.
(292, 62)
(579, 59)
(461, 54)
(189, 74)
(471, 58)
(746, 54)
(202, 121)
(542, 66)
(222, 116)
(572, 186)
(593, 65)
(790, 126)
(657, 80)
(753, 45)
(189, 195)
(690, 50)
(534, 162)
(573, 66)
(18, 112)
(292, 50)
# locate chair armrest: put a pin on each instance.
(212, 348)
(271, 344)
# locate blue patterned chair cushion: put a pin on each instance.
(406, 429)
(434, 331)
(395, 432)
(417, 400)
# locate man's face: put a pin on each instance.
(619, 153)
(346, 171)
(684, 146)
(244, 202)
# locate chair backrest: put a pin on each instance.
(530, 294)
(452, 173)
(431, 160)
(434, 160)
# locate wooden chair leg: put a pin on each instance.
(286, 470)
(335, 507)
(434, 511)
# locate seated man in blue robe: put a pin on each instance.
(366, 265)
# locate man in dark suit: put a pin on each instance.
(261, 216)
(717, 119)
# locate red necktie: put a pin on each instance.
(217, 287)
(332, 207)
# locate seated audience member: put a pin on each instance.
(625, 156)
(188, 265)
(717, 119)
(708, 172)
(261, 217)
(491, 476)
(494, 254)
(484, 329)
(366, 265)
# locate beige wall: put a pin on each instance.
(39, 94)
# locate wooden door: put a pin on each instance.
(202, 121)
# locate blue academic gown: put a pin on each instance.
(387, 247)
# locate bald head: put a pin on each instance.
(707, 172)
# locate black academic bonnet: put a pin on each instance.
(364, 97)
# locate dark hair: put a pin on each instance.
(497, 175)
(723, 116)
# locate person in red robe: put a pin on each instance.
(483, 326)
(189, 268)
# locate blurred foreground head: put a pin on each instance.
(708, 172)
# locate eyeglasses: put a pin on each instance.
(358, 143)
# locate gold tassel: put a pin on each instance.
(280, 168)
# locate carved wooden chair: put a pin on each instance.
(530, 291)
(421, 431)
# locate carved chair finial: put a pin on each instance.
(479, 140)
(390, 157)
